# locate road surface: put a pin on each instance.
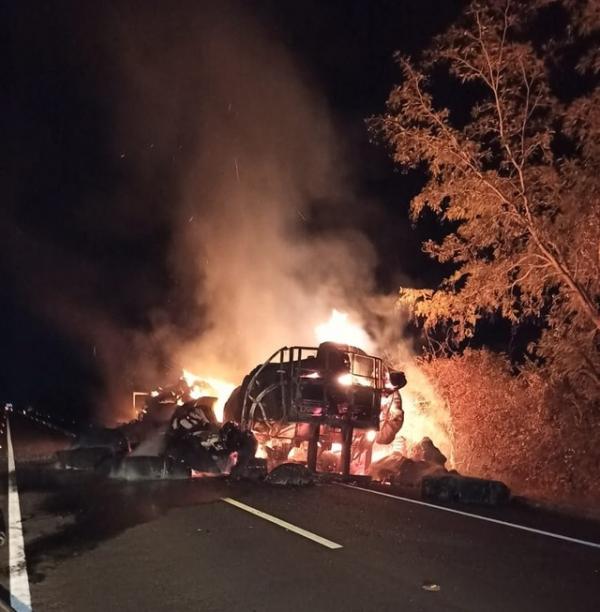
(212, 545)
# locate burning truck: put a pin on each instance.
(305, 410)
(330, 409)
(322, 406)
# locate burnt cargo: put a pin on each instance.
(464, 489)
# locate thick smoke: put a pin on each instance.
(264, 167)
(425, 412)
(231, 173)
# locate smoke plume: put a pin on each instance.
(262, 167)
(224, 225)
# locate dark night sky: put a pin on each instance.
(64, 179)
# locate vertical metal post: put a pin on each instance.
(133, 400)
(368, 456)
(313, 446)
(347, 431)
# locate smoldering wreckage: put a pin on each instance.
(306, 414)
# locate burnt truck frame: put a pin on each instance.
(326, 392)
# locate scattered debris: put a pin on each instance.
(291, 475)
(175, 435)
(424, 467)
(408, 470)
(196, 440)
(305, 410)
(254, 470)
(431, 586)
(113, 440)
(139, 467)
(427, 451)
(85, 459)
(464, 489)
(411, 472)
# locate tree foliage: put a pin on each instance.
(518, 183)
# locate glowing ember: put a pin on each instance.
(345, 379)
(190, 379)
(424, 413)
(196, 392)
(207, 386)
(261, 452)
(340, 329)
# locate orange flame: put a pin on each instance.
(207, 386)
(339, 328)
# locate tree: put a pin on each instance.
(518, 183)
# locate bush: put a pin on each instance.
(517, 427)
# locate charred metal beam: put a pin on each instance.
(313, 446)
(347, 431)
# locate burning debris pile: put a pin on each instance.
(409, 466)
(176, 434)
(330, 409)
(422, 466)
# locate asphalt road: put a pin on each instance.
(94, 544)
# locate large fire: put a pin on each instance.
(417, 403)
(211, 387)
(339, 328)
(419, 400)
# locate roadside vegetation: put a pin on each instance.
(515, 185)
(518, 427)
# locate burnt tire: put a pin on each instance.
(464, 489)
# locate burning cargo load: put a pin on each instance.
(408, 466)
(320, 406)
(182, 428)
(175, 435)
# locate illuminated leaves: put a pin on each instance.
(519, 184)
